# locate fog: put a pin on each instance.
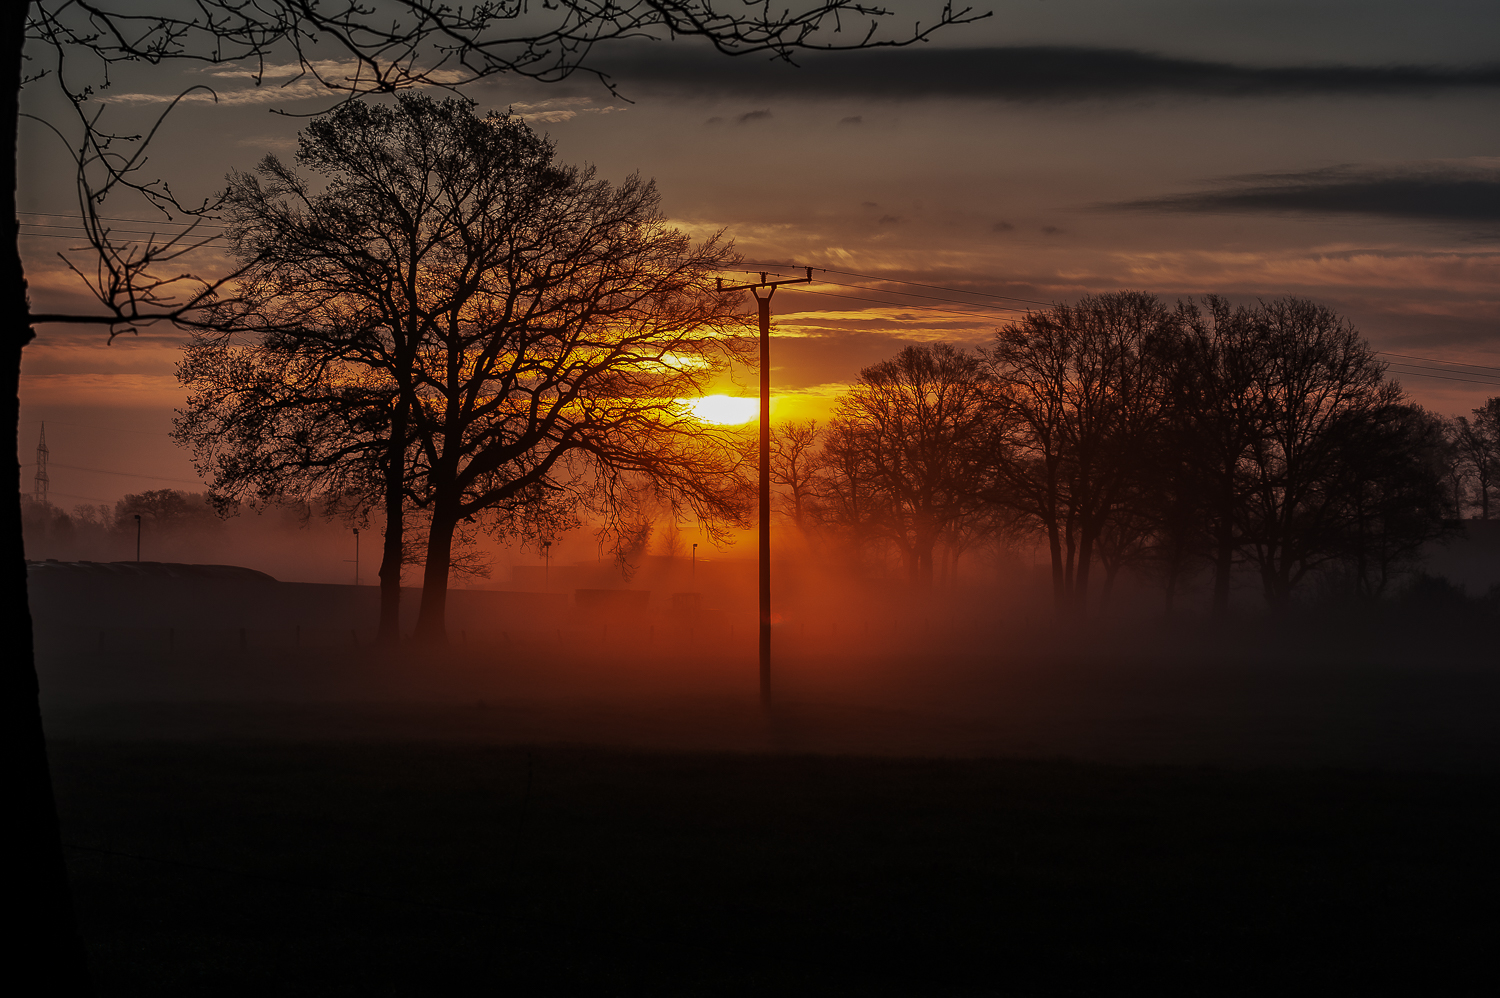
(573, 651)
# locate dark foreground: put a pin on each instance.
(268, 866)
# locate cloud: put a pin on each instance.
(1034, 73)
(750, 116)
(852, 120)
(1444, 193)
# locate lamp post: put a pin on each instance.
(546, 564)
(356, 556)
(695, 567)
(137, 538)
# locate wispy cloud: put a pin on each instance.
(1438, 192)
(1032, 73)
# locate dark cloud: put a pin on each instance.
(852, 120)
(750, 116)
(1018, 73)
(1002, 227)
(1441, 194)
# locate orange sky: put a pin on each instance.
(1175, 147)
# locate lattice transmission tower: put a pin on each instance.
(40, 483)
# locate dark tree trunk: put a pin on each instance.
(1085, 563)
(45, 946)
(1223, 561)
(1059, 580)
(432, 615)
(395, 529)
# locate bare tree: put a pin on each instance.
(921, 421)
(1478, 444)
(1391, 469)
(1321, 386)
(795, 465)
(1081, 394)
(383, 50)
(849, 504)
(1215, 414)
(537, 328)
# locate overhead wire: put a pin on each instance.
(1434, 360)
(1444, 377)
(894, 304)
(914, 284)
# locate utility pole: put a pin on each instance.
(763, 303)
(137, 538)
(40, 483)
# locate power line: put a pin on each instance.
(96, 426)
(892, 304)
(1434, 360)
(915, 284)
(64, 235)
(112, 218)
(1444, 370)
(142, 232)
(54, 492)
(913, 294)
(1442, 377)
(936, 287)
(123, 474)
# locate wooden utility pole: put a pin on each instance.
(763, 303)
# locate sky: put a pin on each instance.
(1347, 152)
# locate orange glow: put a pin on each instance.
(726, 410)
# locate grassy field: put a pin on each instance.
(362, 867)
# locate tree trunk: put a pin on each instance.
(1059, 581)
(1085, 562)
(45, 945)
(432, 616)
(924, 547)
(1224, 556)
(395, 529)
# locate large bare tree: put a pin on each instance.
(1080, 391)
(73, 44)
(539, 329)
(921, 422)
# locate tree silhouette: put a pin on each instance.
(1478, 444)
(382, 51)
(1320, 387)
(1080, 392)
(921, 421)
(795, 467)
(534, 329)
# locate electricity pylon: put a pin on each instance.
(40, 483)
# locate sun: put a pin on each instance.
(725, 410)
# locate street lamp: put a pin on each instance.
(137, 538)
(356, 556)
(546, 564)
(695, 566)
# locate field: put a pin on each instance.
(337, 867)
(936, 814)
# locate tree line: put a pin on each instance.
(1129, 431)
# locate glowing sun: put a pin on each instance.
(726, 410)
